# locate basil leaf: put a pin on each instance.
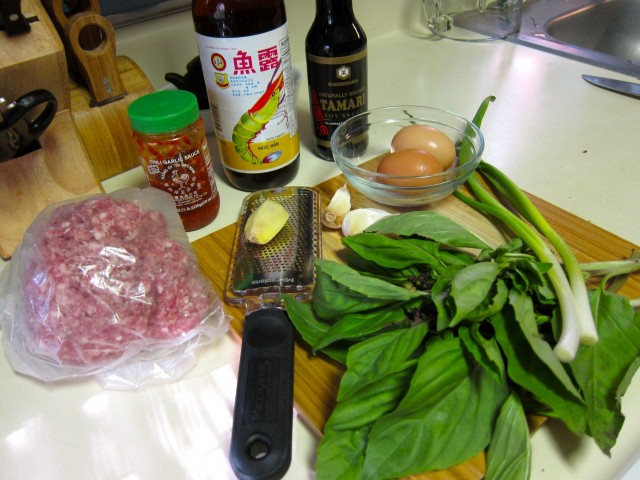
(485, 351)
(393, 252)
(525, 315)
(441, 298)
(431, 225)
(469, 293)
(372, 269)
(494, 302)
(603, 370)
(530, 276)
(527, 369)
(303, 318)
(377, 356)
(445, 418)
(470, 286)
(355, 326)
(310, 327)
(341, 290)
(453, 257)
(372, 401)
(509, 453)
(341, 454)
(514, 246)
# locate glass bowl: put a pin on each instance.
(360, 143)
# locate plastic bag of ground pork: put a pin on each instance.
(108, 286)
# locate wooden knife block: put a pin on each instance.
(83, 145)
(35, 59)
(57, 171)
(105, 130)
(60, 168)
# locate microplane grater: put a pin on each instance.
(286, 263)
(258, 276)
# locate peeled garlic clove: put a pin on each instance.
(338, 207)
(356, 221)
(265, 222)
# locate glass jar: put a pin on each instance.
(172, 146)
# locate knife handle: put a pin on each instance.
(263, 413)
(93, 42)
(12, 19)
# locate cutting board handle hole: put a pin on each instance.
(92, 37)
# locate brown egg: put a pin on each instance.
(428, 139)
(410, 163)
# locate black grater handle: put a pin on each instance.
(263, 413)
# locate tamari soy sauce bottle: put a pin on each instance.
(246, 62)
(336, 51)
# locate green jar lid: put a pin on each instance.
(163, 111)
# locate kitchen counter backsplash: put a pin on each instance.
(377, 17)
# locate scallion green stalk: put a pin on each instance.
(569, 339)
(571, 293)
(526, 208)
(611, 268)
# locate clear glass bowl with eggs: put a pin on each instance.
(406, 155)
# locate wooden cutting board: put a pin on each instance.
(316, 377)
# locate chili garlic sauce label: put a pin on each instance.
(187, 174)
(337, 91)
(251, 90)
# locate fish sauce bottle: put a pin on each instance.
(246, 62)
(336, 53)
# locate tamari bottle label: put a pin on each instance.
(337, 91)
(250, 80)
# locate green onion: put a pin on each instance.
(578, 326)
(569, 339)
(611, 268)
(614, 273)
(522, 203)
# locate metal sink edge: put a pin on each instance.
(537, 15)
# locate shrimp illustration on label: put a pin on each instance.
(253, 121)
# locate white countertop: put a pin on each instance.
(558, 137)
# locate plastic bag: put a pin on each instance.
(108, 286)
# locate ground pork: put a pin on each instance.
(107, 275)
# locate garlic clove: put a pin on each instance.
(338, 207)
(356, 221)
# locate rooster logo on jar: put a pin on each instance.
(179, 179)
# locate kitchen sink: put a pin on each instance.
(605, 33)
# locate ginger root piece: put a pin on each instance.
(265, 222)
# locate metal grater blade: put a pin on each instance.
(286, 263)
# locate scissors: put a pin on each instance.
(18, 132)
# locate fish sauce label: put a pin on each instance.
(250, 85)
(337, 91)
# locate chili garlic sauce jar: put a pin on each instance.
(172, 146)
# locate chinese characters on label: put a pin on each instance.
(267, 60)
